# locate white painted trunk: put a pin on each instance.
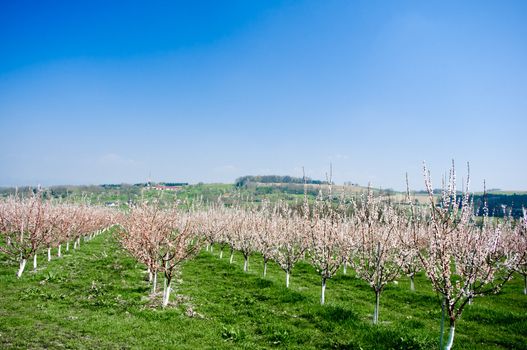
(525, 284)
(376, 310)
(149, 275)
(58, 252)
(232, 256)
(154, 283)
(345, 267)
(67, 246)
(245, 263)
(287, 279)
(167, 294)
(450, 340)
(207, 248)
(22, 267)
(323, 293)
(412, 284)
(49, 254)
(35, 261)
(164, 289)
(211, 248)
(221, 254)
(265, 268)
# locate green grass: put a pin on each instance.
(96, 298)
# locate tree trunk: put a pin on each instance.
(442, 328)
(376, 310)
(167, 293)
(49, 253)
(67, 245)
(35, 262)
(450, 341)
(58, 252)
(149, 275)
(323, 294)
(232, 256)
(412, 284)
(287, 279)
(345, 267)
(265, 267)
(212, 248)
(221, 253)
(154, 283)
(207, 247)
(22, 267)
(245, 263)
(525, 284)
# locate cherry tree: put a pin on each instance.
(265, 233)
(462, 259)
(379, 256)
(324, 227)
(245, 225)
(25, 225)
(146, 228)
(290, 240)
(517, 248)
(182, 243)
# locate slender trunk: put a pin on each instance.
(376, 311)
(212, 248)
(22, 267)
(265, 267)
(323, 294)
(207, 247)
(525, 284)
(450, 341)
(167, 293)
(58, 252)
(345, 267)
(154, 283)
(221, 253)
(287, 279)
(442, 328)
(149, 275)
(49, 253)
(67, 246)
(35, 262)
(164, 288)
(245, 263)
(412, 284)
(232, 256)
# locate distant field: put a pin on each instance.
(95, 298)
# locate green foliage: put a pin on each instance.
(97, 297)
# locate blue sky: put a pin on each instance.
(93, 92)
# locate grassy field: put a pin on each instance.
(96, 298)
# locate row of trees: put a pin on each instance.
(29, 224)
(462, 254)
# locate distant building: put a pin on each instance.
(170, 186)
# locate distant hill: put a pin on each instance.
(244, 180)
